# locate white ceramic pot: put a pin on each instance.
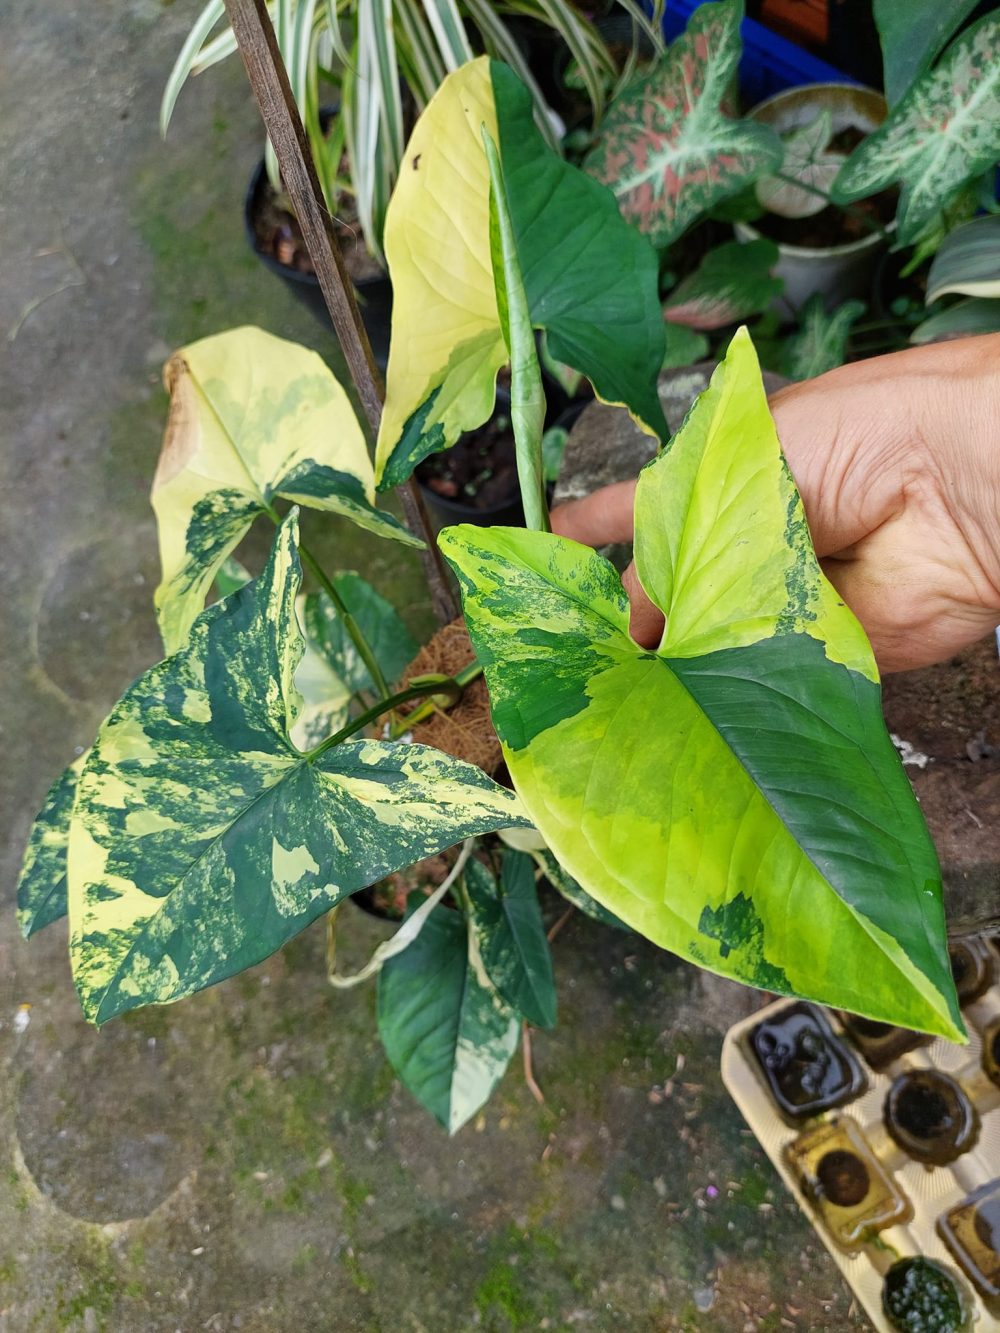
(841, 271)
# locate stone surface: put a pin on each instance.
(245, 1159)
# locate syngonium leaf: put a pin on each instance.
(445, 1028)
(41, 889)
(820, 342)
(944, 132)
(912, 34)
(511, 934)
(731, 282)
(252, 418)
(601, 318)
(573, 892)
(968, 262)
(666, 147)
(331, 671)
(732, 794)
(201, 839)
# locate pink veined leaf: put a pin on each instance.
(666, 148)
(731, 283)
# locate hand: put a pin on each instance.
(898, 463)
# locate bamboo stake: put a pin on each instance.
(269, 80)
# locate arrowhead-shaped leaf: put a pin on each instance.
(447, 1032)
(666, 148)
(805, 160)
(733, 794)
(41, 889)
(820, 342)
(331, 671)
(511, 934)
(944, 132)
(732, 282)
(252, 418)
(202, 840)
(600, 318)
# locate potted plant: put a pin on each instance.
(375, 67)
(208, 823)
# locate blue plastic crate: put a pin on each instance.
(769, 64)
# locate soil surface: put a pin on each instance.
(832, 226)
(279, 236)
(950, 714)
(480, 470)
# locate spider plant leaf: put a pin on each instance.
(602, 319)
(666, 148)
(449, 33)
(252, 418)
(187, 57)
(201, 840)
(944, 133)
(733, 793)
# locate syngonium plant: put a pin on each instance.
(732, 794)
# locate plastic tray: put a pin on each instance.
(931, 1192)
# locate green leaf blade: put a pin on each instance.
(511, 935)
(446, 1031)
(968, 262)
(731, 283)
(911, 35)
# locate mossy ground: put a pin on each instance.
(246, 1159)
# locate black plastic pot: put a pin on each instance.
(374, 294)
(444, 511)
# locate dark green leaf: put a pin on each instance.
(912, 32)
(511, 935)
(41, 890)
(731, 283)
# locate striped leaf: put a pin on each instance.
(943, 134)
(508, 924)
(41, 889)
(252, 418)
(666, 148)
(964, 319)
(733, 794)
(601, 318)
(201, 839)
(968, 263)
(447, 1032)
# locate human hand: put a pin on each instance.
(898, 462)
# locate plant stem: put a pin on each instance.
(350, 624)
(875, 227)
(449, 686)
(464, 677)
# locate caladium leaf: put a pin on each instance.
(732, 282)
(252, 418)
(511, 934)
(820, 342)
(684, 347)
(666, 147)
(944, 132)
(331, 671)
(201, 839)
(733, 794)
(446, 1030)
(968, 262)
(41, 889)
(911, 35)
(964, 319)
(806, 160)
(600, 318)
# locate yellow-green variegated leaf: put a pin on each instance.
(41, 889)
(252, 418)
(448, 1033)
(733, 794)
(601, 318)
(201, 839)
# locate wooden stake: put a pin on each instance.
(269, 81)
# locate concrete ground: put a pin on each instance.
(246, 1160)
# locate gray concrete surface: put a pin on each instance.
(245, 1160)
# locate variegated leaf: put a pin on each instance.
(331, 671)
(731, 283)
(445, 1028)
(41, 889)
(944, 132)
(964, 319)
(806, 160)
(968, 263)
(732, 794)
(600, 318)
(202, 840)
(820, 342)
(666, 147)
(564, 882)
(252, 418)
(508, 924)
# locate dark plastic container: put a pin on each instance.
(805, 1065)
(930, 1116)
